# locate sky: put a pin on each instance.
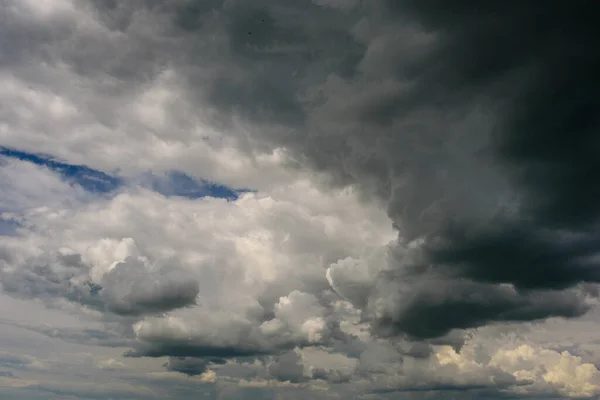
(299, 199)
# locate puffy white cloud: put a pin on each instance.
(353, 279)
(252, 271)
(299, 316)
(516, 367)
(562, 371)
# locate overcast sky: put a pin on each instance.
(299, 199)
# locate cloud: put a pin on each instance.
(454, 147)
(300, 316)
(130, 287)
(133, 287)
(87, 178)
(249, 285)
(418, 173)
(563, 371)
(110, 364)
(20, 362)
(288, 368)
(328, 366)
(174, 183)
(170, 183)
(191, 366)
(26, 186)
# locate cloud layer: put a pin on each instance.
(305, 197)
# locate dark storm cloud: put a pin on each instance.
(259, 56)
(538, 258)
(438, 305)
(537, 65)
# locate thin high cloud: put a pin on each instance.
(423, 179)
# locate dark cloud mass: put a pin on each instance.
(536, 64)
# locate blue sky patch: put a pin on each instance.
(176, 183)
(8, 227)
(171, 183)
(90, 179)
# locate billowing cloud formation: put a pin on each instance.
(247, 278)
(421, 172)
(132, 287)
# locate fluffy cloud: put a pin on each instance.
(251, 270)
(133, 287)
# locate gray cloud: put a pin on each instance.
(298, 320)
(162, 347)
(191, 366)
(438, 305)
(288, 367)
(47, 276)
(133, 288)
(331, 375)
(112, 334)
(14, 361)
